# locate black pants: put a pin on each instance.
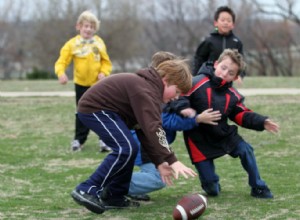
(81, 131)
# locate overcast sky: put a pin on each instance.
(271, 4)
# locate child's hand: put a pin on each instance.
(101, 76)
(271, 126)
(180, 169)
(166, 173)
(209, 117)
(188, 112)
(63, 79)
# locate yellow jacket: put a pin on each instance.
(89, 57)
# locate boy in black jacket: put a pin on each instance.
(221, 38)
(212, 88)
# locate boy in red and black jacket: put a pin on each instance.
(213, 89)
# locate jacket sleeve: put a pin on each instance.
(151, 134)
(201, 55)
(179, 104)
(246, 118)
(106, 65)
(241, 51)
(64, 59)
(175, 122)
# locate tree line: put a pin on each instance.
(33, 31)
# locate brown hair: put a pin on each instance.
(176, 72)
(235, 56)
(162, 56)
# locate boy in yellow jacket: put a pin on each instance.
(91, 64)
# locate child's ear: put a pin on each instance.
(216, 64)
(215, 24)
(77, 26)
(236, 77)
(164, 81)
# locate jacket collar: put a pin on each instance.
(216, 82)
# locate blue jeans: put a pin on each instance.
(210, 180)
(146, 180)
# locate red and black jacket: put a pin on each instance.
(212, 141)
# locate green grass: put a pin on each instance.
(34, 85)
(53, 85)
(38, 171)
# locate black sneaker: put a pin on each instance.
(119, 203)
(262, 193)
(212, 189)
(91, 202)
(141, 197)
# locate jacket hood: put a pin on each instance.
(153, 78)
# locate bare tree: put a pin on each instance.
(11, 41)
(122, 31)
(133, 30)
(273, 38)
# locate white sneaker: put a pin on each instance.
(75, 145)
(104, 147)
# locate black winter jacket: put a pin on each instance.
(211, 141)
(211, 48)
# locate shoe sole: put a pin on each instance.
(120, 207)
(144, 199)
(262, 197)
(79, 199)
(105, 151)
(133, 205)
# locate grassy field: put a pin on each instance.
(38, 171)
(53, 85)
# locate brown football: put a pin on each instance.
(190, 207)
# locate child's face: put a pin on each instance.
(171, 92)
(226, 69)
(86, 29)
(224, 23)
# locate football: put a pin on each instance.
(190, 207)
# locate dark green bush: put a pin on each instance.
(39, 74)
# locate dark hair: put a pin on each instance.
(224, 9)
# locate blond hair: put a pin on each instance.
(161, 56)
(176, 72)
(235, 56)
(89, 17)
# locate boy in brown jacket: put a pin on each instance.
(113, 107)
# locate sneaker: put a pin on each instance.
(262, 193)
(104, 147)
(75, 145)
(212, 189)
(119, 203)
(109, 203)
(141, 197)
(90, 202)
